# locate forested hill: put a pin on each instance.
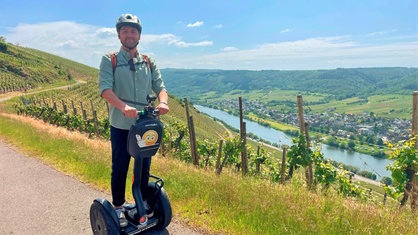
(341, 83)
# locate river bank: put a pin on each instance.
(362, 161)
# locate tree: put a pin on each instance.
(3, 44)
(351, 144)
(386, 180)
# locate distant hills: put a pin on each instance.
(341, 83)
(20, 67)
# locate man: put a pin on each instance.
(125, 79)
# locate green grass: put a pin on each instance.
(390, 106)
(227, 203)
(69, 156)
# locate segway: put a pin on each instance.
(144, 139)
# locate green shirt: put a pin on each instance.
(130, 86)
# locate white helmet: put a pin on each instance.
(128, 20)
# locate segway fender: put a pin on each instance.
(107, 211)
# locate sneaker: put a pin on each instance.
(148, 211)
(128, 206)
(120, 212)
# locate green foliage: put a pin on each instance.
(405, 165)
(299, 153)
(325, 172)
(347, 188)
(232, 151)
(3, 46)
(386, 180)
(207, 151)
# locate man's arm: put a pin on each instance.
(163, 105)
(113, 99)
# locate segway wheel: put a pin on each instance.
(101, 221)
(162, 206)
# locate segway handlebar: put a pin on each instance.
(149, 110)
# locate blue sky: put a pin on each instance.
(225, 34)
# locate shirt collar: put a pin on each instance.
(127, 55)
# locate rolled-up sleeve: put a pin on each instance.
(105, 74)
(157, 81)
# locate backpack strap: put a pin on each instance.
(115, 62)
(145, 57)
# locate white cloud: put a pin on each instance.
(171, 39)
(195, 24)
(380, 33)
(80, 42)
(84, 43)
(219, 26)
(87, 43)
(179, 43)
(229, 49)
(312, 53)
(285, 31)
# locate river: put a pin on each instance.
(362, 161)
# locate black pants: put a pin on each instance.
(120, 165)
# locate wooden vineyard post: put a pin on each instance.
(243, 136)
(64, 106)
(54, 104)
(304, 132)
(258, 163)
(83, 111)
(96, 124)
(193, 140)
(309, 175)
(192, 137)
(218, 160)
(74, 109)
(282, 174)
(411, 188)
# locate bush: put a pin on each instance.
(3, 46)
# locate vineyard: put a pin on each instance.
(23, 69)
(80, 108)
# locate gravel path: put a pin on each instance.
(37, 199)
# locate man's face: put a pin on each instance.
(129, 36)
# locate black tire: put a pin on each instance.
(101, 221)
(161, 205)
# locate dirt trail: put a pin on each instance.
(37, 199)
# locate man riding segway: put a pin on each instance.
(126, 78)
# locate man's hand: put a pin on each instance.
(129, 112)
(163, 108)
